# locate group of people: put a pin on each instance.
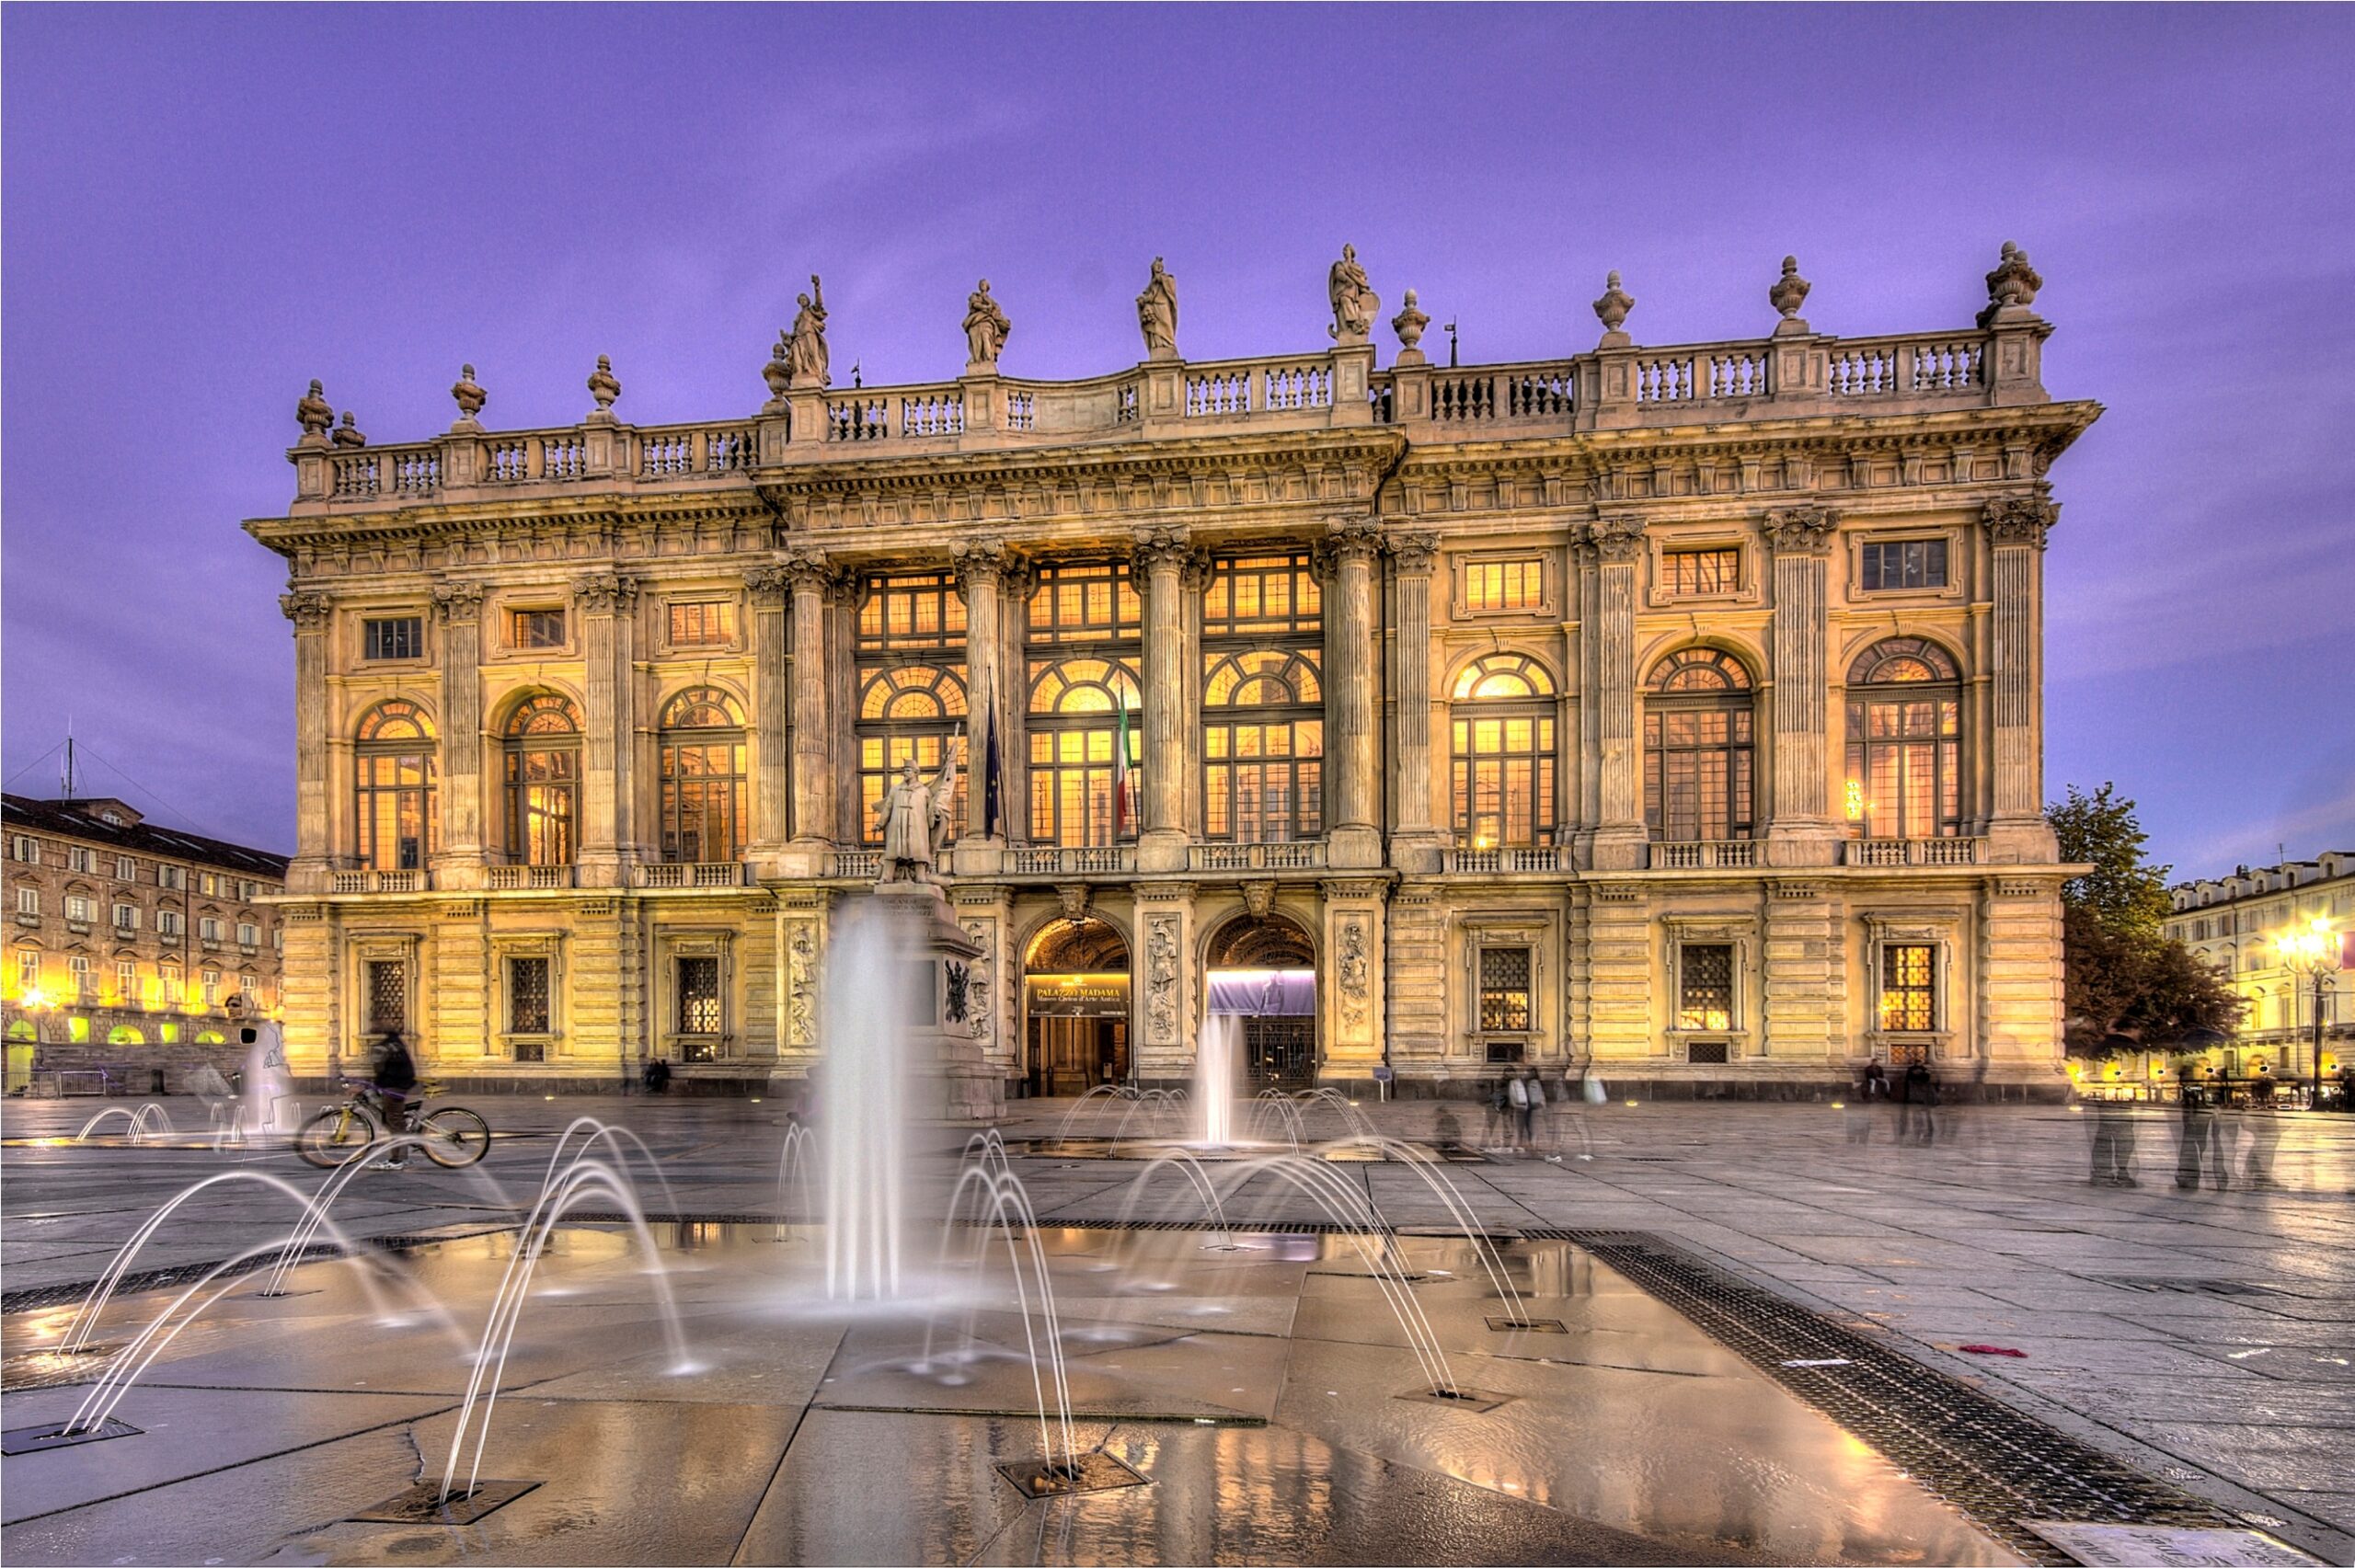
(1914, 1098)
(2213, 1134)
(1527, 1112)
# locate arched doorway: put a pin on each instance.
(1263, 969)
(1075, 1007)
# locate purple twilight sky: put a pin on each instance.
(205, 207)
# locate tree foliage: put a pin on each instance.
(2124, 978)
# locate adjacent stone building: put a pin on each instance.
(125, 940)
(2242, 924)
(1678, 709)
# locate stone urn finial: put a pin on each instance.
(348, 433)
(314, 415)
(1612, 307)
(1789, 291)
(603, 385)
(2012, 285)
(1408, 324)
(470, 397)
(778, 371)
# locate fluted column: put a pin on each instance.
(1617, 544)
(313, 613)
(1413, 832)
(2016, 528)
(1160, 560)
(606, 601)
(768, 587)
(1800, 825)
(459, 863)
(982, 568)
(813, 751)
(1352, 653)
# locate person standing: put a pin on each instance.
(2264, 1128)
(1517, 1103)
(658, 1076)
(1541, 1130)
(2113, 1144)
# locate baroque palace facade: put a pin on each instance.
(1678, 710)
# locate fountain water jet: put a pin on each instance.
(1214, 1058)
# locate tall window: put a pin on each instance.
(126, 982)
(1263, 729)
(126, 869)
(387, 994)
(126, 917)
(27, 900)
(542, 751)
(1084, 640)
(394, 773)
(1904, 742)
(1909, 994)
(702, 770)
(77, 969)
(527, 996)
(1502, 720)
(27, 969)
(1698, 720)
(911, 647)
(699, 1008)
(1704, 986)
(1505, 999)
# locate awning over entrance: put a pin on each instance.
(1263, 993)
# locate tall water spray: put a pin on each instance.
(867, 1095)
(1214, 1058)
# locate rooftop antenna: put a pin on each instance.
(854, 381)
(68, 764)
(1449, 328)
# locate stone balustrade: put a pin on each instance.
(1791, 375)
(1914, 852)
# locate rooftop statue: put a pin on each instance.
(986, 326)
(805, 340)
(1157, 314)
(915, 820)
(1355, 304)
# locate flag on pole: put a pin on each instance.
(1123, 807)
(992, 775)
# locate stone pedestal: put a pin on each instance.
(959, 1082)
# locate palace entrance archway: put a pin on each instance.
(1075, 1007)
(1263, 970)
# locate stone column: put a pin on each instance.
(809, 574)
(1609, 686)
(1800, 830)
(768, 587)
(982, 568)
(313, 613)
(1160, 560)
(1415, 838)
(2016, 830)
(606, 601)
(1352, 760)
(459, 863)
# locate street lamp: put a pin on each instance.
(2313, 954)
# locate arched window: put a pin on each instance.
(1082, 711)
(1263, 744)
(1697, 760)
(701, 765)
(1904, 741)
(1502, 716)
(394, 806)
(543, 746)
(905, 712)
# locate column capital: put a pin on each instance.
(2020, 519)
(308, 608)
(981, 562)
(1413, 552)
(1159, 547)
(457, 602)
(768, 585)
(1614, 539)
(807, 570)
(1799, 531)
(1345, 540)
(606, 593)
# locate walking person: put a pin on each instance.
(2113, 1129)
(1540, 1125)
(1913, 1113)
(1493, 1133)
(2263, 1123)
(393, 1073)
(1517, 1102)
(1579, 1090)
(2198, 1145)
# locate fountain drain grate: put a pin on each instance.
(1527, 1325)
(1092, 1472)
(1998, 1465)
(37, 1439)
(424, 1504)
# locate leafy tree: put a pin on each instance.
(2124, 976)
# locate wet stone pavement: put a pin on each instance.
(2203, 1338)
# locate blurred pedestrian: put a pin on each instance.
(1517, 1101)
(1493, 1134)
(393, 1073)
(658, 1076)
(2262, 1121)
(1920, 1095)
(1540, 1125)
(1575, 1091)
(2113, 1144)
(2198, 1146)
(1876, 1086)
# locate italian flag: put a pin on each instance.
(1124, 806)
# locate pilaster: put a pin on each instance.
(1169, 983)
(313, 613)
(769, 587)
(1803, 977)
(1353, 1028)
(1799, 827)
(1618, 976)
(607, 603)
(2017, 530)
(1414, 976)
(1609, 687)
(809, 573)
(1352, 800)
(459, 863)
(1415, 838)
(981, 565)
(2019, 993)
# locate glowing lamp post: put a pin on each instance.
(2314, 955)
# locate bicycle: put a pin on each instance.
(452, 1137)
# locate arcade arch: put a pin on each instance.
(1262, 968)
(1075, 1006)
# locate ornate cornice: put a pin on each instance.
(1799, 531)
(307, 608)
(2020, 519)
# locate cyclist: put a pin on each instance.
(393, 1073)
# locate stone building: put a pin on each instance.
(126, 940)
(1674, 708)
(2238, 923)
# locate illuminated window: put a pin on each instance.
(918, 611)
(701, 765)
(1502, 753)
(541, 749)
(211, 981)
(1697, 756)
(126, 982)
(1085, 603)
(906, 713)
(393, 636)
(1704, 986)
(1491, 586)
(27, 969)
(1908, 987)
(1263, 724)
(393, 766)
(1695, 572)
(167, 983)
(1904, 564)
(699, 1012)
(1256, 596)
(78, 908)
(541, 628)
(702, 622)
(1904, 741)
(1504, 990)
(1082, 701)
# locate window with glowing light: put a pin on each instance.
(1704, 986)
(393, 789)
(1502, 715)
(1909, 987)
(1904, 741)
(1698, 715)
